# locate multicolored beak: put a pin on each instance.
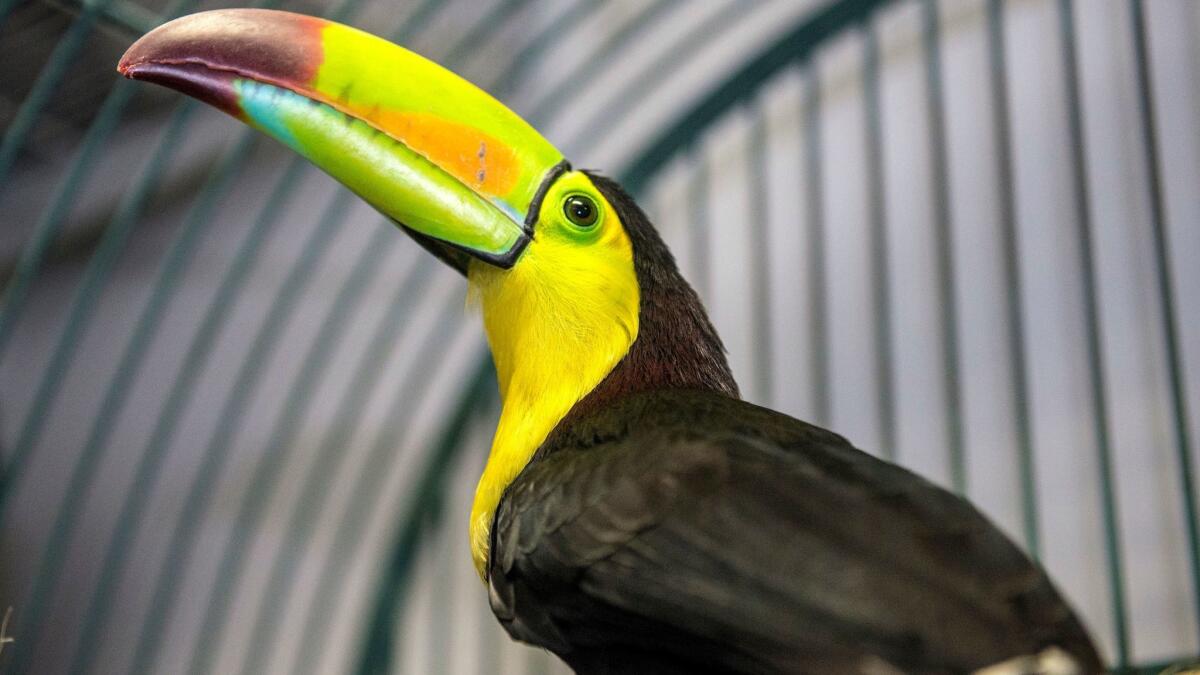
(425, 147)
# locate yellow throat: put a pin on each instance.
(557, 323)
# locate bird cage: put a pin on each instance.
(241, 417)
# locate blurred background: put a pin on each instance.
(241, 416)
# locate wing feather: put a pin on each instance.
(719, 535)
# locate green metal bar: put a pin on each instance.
(689, 44)
(442, 627)
(500, 13)
(547, 38)
(428, 496)
(84, 472)
(281, 441)
(230, 416)
(369, 485)
(1012, 274)
(133, 17)
(112, 242)
(78, 164)
(85, 302)
(82, 309)
(174, 267)
(122, 14)
(795, 45)
(83, 305)
(792, 46)
(47, 82)
(818, 302)
(1180, 666)
(568, 88)
(698, 188)
(430, 536)
(181, 391)
(1166, 293)
(944, 233)
(390, 332)
(49, 567)
(760, 253)
(50, 222)
(881, 299)
(1096, 369)
(197, 354)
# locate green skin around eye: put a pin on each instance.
(555, 217)
(572, 203)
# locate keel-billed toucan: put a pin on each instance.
(634, 515)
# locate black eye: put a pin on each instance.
(581, 210)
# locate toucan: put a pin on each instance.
(634, 514)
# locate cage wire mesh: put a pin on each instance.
(241, 416)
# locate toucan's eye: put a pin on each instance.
(581, 210)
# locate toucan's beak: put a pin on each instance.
(420, 144)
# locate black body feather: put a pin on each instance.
(667, 527)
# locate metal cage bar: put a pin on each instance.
(877, 216)
(760, 241)
(697, 188)
(377, 651)
(1002, 125)
(1114, 560)
(367, 490)
(818, 302)
(1179, 408)
(944, 234)
(52, 73)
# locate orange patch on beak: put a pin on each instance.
(481, 162)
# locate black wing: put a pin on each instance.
(696, 533)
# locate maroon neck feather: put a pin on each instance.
(676, 347)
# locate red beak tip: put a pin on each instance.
(131, 61)
(130, 70)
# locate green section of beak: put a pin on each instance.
(389, 175)
(420, 144)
